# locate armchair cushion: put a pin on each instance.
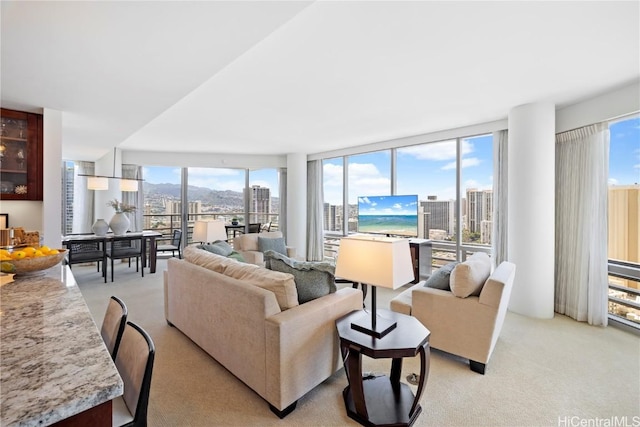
(272, 244)
(313, 279)
(467, 278)
(440, 278)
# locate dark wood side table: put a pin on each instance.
(383, 400)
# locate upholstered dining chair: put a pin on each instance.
(115, 319)
(173, 246)
(81, 251)
(135, 364)
(255, 227)
(125, 248)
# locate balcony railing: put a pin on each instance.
(624, 300)
(624, 295)
(166, 223)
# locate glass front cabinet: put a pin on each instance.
(20, 155)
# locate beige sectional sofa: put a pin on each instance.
(249, 320)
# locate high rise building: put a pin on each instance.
(437, 215)
(479, 209)
(260, 203)
(624, 227)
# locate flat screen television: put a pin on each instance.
(389, 215)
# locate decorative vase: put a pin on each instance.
(100, 227)
(119, 224)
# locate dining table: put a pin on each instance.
(147, 237)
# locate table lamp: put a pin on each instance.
(375, 261)
(209, 231)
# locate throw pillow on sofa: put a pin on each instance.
(441, 277)
(467, 278)
(313, 279)
(272, 244)
(219, 247)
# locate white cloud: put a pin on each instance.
(613, 181)
(438, 151)
(365, 178)
(468, 162)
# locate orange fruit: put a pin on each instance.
(45, 249)
(53, 252)
(29, 250)
(38, 253)
(18, 255)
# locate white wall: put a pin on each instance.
(51, 232)
(297, 203)
(610, 105)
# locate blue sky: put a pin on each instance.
(624, 152)
(425, 170)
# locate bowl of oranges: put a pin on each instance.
(30, 260)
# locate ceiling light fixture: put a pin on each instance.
(101, 182)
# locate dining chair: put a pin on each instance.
(173, 246)
(115, 319)
(126, 247)
(134, 362)
(254, 227)
(81, 251)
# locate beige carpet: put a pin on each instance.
(554, 372)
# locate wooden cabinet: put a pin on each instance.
(20, 155)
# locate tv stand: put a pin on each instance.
(421, 258)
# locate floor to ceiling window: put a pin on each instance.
(624, 219)
(453, 185)
(162, 199)
(264, 198)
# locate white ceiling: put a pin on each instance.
(302, 77)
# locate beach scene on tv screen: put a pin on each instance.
(392, 215)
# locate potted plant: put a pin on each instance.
(120, 223)
(234, 221)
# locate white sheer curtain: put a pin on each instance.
(500, 169)
(582, 170)
(83, 200)
(135, 198)
(315, 200)
(282, 190)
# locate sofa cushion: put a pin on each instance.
(439, 279)
(206, 259)
(280, 283)
(219, 247)
(467, 278)
(313, 279)
(272, 244)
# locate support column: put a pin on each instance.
(297, 203)
(531, 208)
(52, 173)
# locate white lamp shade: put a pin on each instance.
(209, 231)
(128, 185)
(97, 183)
(376, 261)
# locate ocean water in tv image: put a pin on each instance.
(399, 225)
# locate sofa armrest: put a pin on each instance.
(253, 257)
(303, 347)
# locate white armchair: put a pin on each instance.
(247, 245)
(468, 327)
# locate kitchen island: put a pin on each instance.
(54, 365)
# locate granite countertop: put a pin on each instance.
(53, 362)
